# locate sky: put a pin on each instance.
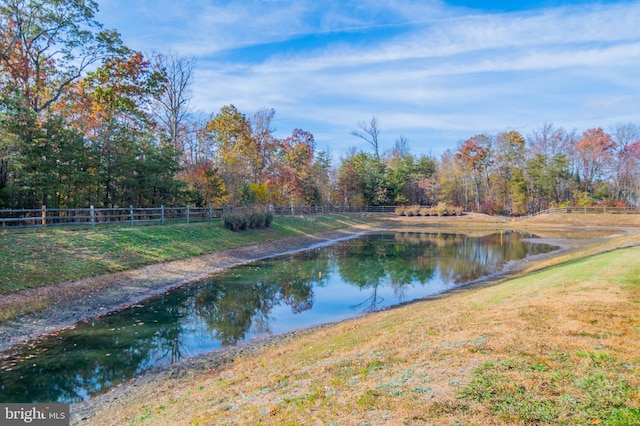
(435, 72)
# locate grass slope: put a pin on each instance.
(558, 346)
(33, 264)
(35, 259)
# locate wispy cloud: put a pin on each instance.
(425, 69)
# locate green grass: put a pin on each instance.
(597, 390)
(35, 259)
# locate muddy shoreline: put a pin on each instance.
(98, 296)
(186, 369)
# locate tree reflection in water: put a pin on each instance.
(257, 299)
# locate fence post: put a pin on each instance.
(131, 215)
(162, 214)
(44, 217)
(92, 212)
(210, 213)
(187, 210)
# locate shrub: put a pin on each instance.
(413, 211)
(232, 221)
(441, 209)
(268, 218)
(400, 211)
(250, 219)
(451, 211)
(255, 220)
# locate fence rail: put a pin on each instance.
(591, 210)
(91, 216)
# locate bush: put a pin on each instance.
(413, 211)
(268, 218)
(441, 209)
(251, 219)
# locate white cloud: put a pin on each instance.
(423, 68)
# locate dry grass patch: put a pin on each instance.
(560, 346)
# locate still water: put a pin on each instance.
(259, 299)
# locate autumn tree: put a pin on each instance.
(548, 166)
(50, 44)
(295, 179)
(509, 177)
(47, 46)
(266, 144)
(110, 105)
(594, 157)
(473, 156)
(549, 140)
(451, 180)
(230, 132)
(323, 171)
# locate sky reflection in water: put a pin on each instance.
(268, 297)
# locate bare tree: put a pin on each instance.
(262, 132)
(400, 147)
(172, 100)
(625, 169)
(369, 132)
(549, 140)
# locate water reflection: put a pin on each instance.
(262, 298)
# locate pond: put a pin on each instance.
(259, 299)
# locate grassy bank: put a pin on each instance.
(35, 259)
(558, 346)
(36, 267)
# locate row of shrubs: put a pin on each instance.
(250, 219)
(440, 210)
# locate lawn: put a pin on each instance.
(34, 259)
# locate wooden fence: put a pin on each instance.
(91, 216)
(590, 210)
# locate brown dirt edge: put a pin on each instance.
(165, 379)
(98, 296)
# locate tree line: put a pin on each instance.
(85, 120)
(510, 174)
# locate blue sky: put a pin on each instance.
(436, 72)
